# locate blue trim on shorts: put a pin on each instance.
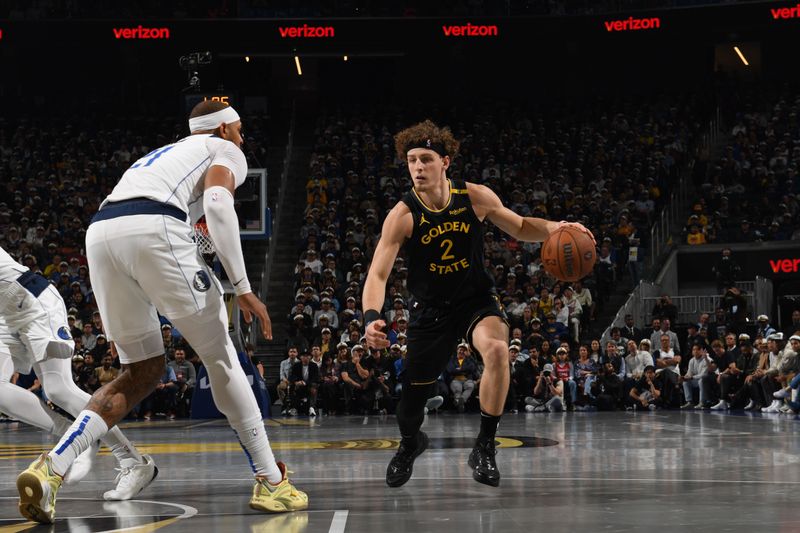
(75, 434)
(33, 283)
(138, 206)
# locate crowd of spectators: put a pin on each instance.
(751, 192)
(609, 167)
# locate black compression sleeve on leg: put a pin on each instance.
(411, 409)
(489, 425)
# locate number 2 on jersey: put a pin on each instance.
(152, 156)
(447, 255)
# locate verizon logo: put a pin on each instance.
(305, 31)
(785, 12)
(140, 32)
(470, 30)
(632, 24)
(787, 266)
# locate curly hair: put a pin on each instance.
(417, 134)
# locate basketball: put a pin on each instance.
(569, 254)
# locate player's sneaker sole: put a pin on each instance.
(37, 487)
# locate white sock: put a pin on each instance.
(794, 395)
(255, 443)
(120, 446)
(87, 428)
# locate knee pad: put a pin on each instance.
(56, 377)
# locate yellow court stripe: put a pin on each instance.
(16, 528)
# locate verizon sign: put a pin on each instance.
(470, 30)
(633, 24)
(785, 12)
(140, 32)
(306, 32)
(784, 266)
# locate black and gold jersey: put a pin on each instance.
(445, 251)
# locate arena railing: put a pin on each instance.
(676, 206)
(276, 221)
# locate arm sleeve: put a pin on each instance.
(223, 226)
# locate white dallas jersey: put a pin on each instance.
(174, 173)
(10, 270)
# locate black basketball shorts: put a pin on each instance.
(435, 332)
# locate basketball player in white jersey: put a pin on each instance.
(142, 259)
(34, 334)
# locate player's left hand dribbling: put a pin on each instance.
(251, 305)
(376, 339)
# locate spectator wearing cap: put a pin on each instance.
(401, 326)
(88, 338)
(565, 372)
(166, 337)
(398, 310)
(327, 311)
(284, 377)
(770, 383)
(462, 375)
(764, 329)
(356, 382)
(101, 348)
(351, 305)
(548, 394)
(325, 340)
(299, 332)
(304, 383)
(312, 261)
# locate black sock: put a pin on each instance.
(489, 425)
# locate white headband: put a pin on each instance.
(213, 120)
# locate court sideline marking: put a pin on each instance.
(338, 522)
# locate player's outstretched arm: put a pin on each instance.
(528, 229)
(396, 229)
(223, 226)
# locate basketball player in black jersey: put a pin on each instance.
(440, 223)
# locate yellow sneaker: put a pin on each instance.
(280, 498)
(37, 488)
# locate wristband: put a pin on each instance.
(370, 315)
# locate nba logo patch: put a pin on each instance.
(201, 281)
(63, 333)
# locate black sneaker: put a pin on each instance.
(481, 460)
(402, 464)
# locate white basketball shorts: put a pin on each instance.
(140, 264)
(34, 327)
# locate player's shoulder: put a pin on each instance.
(399, 220)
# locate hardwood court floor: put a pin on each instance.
(584, 472)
